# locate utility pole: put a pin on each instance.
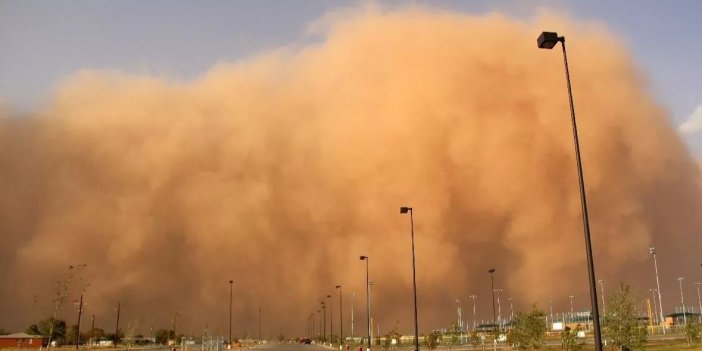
(473, 297)
(117, 325)
(80, 312)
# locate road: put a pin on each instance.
(288, 347)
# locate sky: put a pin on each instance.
(43, 42)
(208, 141)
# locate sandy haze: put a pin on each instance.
(279, 170)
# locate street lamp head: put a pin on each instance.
(338, 286)
(364, 258)
(329, 296)
(231, 282)
(405, 209)
(652, 250)
(547, 40)
(492, 270)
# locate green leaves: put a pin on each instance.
(529, 329)
(621, 324)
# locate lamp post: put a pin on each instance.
(511, 309)
(352, 298)
(366, 258)
(496, 327)
(473, 297)
(571, 308)
(547, 40)
(655, 309)
(259, 326)
(119, 307)
(324, 322)
(331, 319)
(231, 289)
(604, 308)
(682, 300)
(459, 314)
(699, 300)
(499, 308)
(404, 210)
(341, 317)
(550, 308)
(652, 252)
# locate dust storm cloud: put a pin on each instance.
(279, 170)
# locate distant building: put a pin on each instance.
(678, 318)
(22, 341)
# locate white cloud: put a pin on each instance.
(693, 124)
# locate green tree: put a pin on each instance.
(3, 331)
(528, 329)
(432, 340)
(475, 339)
(454, 332)
(162, 336)
(390, 336)
(569, 339)
(621, 324)
(50, 327)
(693, 330)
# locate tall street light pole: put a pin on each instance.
(604, 308)
(341, 317)
(404, 210)
(259, 325)
(473, 297)
(547, 40)
(496, 327)
(352, 297)
(119, 305)
(652, 252)
(231, 294)
(655, 308)
(699, 300)
(331, 319)
(366, 258)
(682, 301)
(324, 322)
(571, 308)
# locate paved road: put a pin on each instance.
(288, 347)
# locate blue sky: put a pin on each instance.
(42, 42)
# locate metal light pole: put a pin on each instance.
(324, 322)
(571, 308)
(604, 308)
(496, 327)
(655, 307)
(259, 325)
(547, 40)
(459, 314)
(414, 277)
(366, 258)
(314, 327)
(699, 300)
(473, 297)
(682, 301)
(352, 298)
(511, 308)
(331, 319)
(550, 307)
(119, 305)
(231, 289)
(499, 308)
(652, 251)
(341, 317)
